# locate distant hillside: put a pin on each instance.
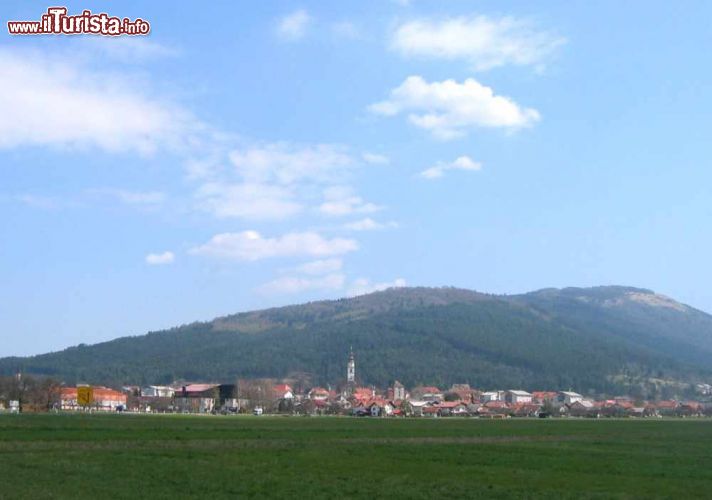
(603, 339)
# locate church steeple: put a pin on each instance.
(351, 368)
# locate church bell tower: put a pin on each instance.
(351, 369)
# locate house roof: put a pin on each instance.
(282, 388)
(519, 393)
(99, 392)
(571, 394)
(585, 403)
(495, 404)
(418, 404)
(449, 404)
(525, 408)
(667, 404)
(199, 387)
(429, 389)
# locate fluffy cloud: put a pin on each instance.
(363, 286)
(251, 246)
(375, 159)
(483, 41)
(145, 198)
(294, 26)
(315, 275)
(368, 224)
(50, 101)
(340, 201)
(461, 163)
(159, 259)
(448, 109)
(296, 284)
(248, 201)
(278, 180)
(286, 163)
(318, 267)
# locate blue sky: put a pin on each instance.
(280, 152)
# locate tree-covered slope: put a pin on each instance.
(600, 339)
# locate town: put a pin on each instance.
(268, 396)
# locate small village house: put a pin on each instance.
(569, 397)
(104, 399)
(196, 398)
(157, 391)
(428, 393)
(517, 397)
(488, 396)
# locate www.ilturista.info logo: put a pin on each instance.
(57, 22)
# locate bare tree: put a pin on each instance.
(258, 393)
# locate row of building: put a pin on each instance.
(267, 396)
(422, 401)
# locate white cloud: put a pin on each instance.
(296, 284)
(55, 101)
(131, 197)
(278, 180)
(368, 224)
(286, 163)
(483, 41)
(363, 286)
(448, 109)
(127, 49)
(315, 275)
(248, 201)
(461, 163)
(40, 201)
(251, 246)
(294, 26)
(319, 267)
(340, 201)
(375, 159)
(159, 259)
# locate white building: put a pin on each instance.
(398, 391)
(351, 369)
(488, 396)
(517, 397)
(157, 391)
(569, 397)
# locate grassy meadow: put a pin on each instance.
(132, 456)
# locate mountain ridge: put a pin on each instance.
(600, 339)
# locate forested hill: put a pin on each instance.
(591, 339)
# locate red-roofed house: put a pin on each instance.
(379, 407)
(451, 408)
(318, 394)
(105, 399)
(525, 410)
(427, 393)
(283, 391)
(542, 397)
(197, 398)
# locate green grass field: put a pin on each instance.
(130, 456)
